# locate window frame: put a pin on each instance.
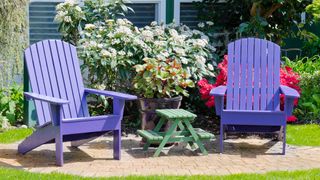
(177, 9)
(160, 12)
(160, 6)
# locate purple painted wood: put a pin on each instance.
(236, 87)
(257, 75)
(263, 81)
(253, 87)
(276, 90)
(219, 93)
(243, 73)
(230, 82)
(60, 99)
(270, 72)
(249, 85)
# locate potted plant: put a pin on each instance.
(178, 58)
(160, 84)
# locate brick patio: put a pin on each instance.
(249, 155)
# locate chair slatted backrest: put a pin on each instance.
(54, 70)
(253, 75)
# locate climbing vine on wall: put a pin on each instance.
(13, 39)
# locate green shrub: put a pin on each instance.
(72, 18)
(314, 9)
(11, 106)
(308, 109)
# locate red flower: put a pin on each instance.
(287, 77)
(292, 119)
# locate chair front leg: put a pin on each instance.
(221, 137)
(59, 148)
(117, 144)
(118, 108)
(56, 121)
(284, 140)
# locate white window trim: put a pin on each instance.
(31, 1)
(160, 11)
(176, 12)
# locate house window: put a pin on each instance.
(186, 13)
(42, 13)
(146, 11)
(41, 21)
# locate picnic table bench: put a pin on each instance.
(179, 118)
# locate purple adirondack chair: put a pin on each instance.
(60, 100)
(253, 87)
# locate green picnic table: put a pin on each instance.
(179, 118)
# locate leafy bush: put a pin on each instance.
(287, 77)
(11, 106)
(111, 49)
(163, 79)
(314, 9)
(308, 109)
(72, 18)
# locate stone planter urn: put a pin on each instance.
(148, 108)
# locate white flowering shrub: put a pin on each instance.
(72, 18)
(109, 51)
(69, 16)
(112, 50)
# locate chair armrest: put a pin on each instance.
(51, 100)
(111, 94)
(289, 92)
(218, 91)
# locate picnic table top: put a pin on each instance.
(175, 113)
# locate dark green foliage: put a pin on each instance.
(271, 19)
(311, 43)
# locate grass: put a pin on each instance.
(13, 135)
(6, 173)
(303, 135)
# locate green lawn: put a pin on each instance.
(13, 135)
(6, 173)
(303, 135)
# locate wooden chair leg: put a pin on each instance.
(59, 149)
(117, 144)
(221, 137)
(284, 140)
